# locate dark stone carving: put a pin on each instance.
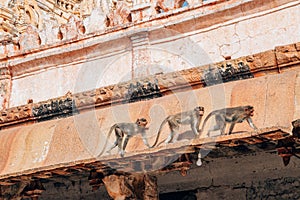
(285, 149)
(55, 108)
(138, 92)
(33, 190)
(225, 73)
(296, 128)
(212, 77)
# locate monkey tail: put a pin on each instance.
(205, 121)
(159, 131)
(109, 133)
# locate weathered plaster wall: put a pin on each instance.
(74, 71)
(107, 63)
(43, 144)
(239, 37)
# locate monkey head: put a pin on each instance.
(141, 122)
(199, 110)
(249, 111)
(296, 123)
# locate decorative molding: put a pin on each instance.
(55, 108)
(49, 15)
(226, 73)
(139, 92)
(152, 86)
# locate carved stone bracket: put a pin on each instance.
(54, 108)
(138, 91)
(225, 73)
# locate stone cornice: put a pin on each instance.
(177, 19)
(141, 157)
(262, 64)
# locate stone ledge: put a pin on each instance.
(141, 161)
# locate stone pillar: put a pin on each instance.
(134, 186)
(5, 87)
(141, 58)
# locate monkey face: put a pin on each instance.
(141, 122)
(200, 110)
(296, 123)
(249, 110)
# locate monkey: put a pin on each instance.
(192, 117)
(296, 128)
(124, 131)
(232, 116)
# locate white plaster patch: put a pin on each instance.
(42, 156)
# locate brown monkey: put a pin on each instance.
(124, 131)
(296, 128)
(232, 116)
(192, 117)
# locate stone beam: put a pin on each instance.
(43, 145)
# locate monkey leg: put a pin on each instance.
(195, 128)
(221, 123)
(231, 128)
(112, 147)
(172, 137)
(146, 141)
(123, 145)
(215, 128)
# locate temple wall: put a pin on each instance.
(81, 65)
(43, 144)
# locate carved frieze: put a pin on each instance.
(135, 90)
(226, 72)
(93, 15)
(54, 108)
(139, 91)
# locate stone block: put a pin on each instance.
(261, 60)
(286, 54)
